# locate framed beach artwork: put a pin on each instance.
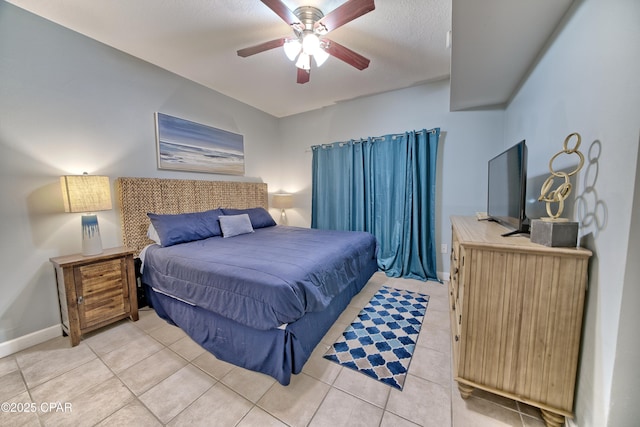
(188, 146)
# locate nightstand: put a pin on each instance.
(95, 290)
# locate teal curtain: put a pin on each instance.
(338, 181)
(386, 186)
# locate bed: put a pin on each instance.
(261, 299)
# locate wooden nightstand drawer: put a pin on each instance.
(95, 290)
(104, 291)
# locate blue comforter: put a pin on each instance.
(263, 279)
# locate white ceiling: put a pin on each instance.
(404, 39)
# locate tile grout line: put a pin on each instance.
(135, 397)
(167, 347)
(28, 389)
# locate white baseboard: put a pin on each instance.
(444, 276)
(29, 340)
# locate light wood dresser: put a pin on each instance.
(95, 290)
(516, 316)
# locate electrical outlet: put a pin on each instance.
(443, 248)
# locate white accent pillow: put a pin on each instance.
(153, 234)
(235, 225)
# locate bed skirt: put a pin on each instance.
(275, 352)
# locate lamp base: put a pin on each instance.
(554, 233)
(91, 240)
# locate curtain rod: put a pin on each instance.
(361, 140)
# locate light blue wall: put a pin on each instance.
(587, 82)
(67, 105)
(468, 141)
(625, 383)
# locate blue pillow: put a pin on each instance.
(259, 217)
(235, 225)
(187, 227)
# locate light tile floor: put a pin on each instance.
(148, 373)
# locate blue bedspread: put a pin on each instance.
(263, 279)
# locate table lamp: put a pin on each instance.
(282, 201)
(87, 194)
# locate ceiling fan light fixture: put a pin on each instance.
(292, 49)
(309, 24)
(310, 44)
(304, 61)
(320, 56)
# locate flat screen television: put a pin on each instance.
(507, 189)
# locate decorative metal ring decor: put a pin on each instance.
(559, 194)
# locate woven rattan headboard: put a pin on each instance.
(138, 196)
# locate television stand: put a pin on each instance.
(516, 316)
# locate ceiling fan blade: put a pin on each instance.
(248, 51)
(347, 12)
(347, 55)
(282, 11)
(303, 75)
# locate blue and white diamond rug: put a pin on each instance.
(381, 340)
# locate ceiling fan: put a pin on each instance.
(310, 26)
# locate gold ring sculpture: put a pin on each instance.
(559, 194)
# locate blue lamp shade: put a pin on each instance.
(87, 194)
